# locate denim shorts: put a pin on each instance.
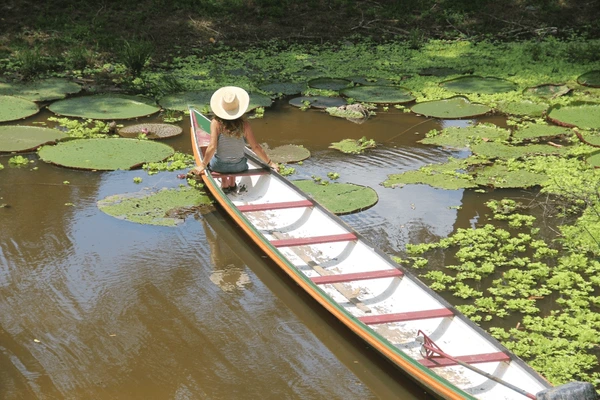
(224, 167)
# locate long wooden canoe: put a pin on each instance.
(391, 310)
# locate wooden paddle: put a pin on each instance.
(432, 348)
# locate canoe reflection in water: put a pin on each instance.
(228, 270)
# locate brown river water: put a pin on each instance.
(93, 307)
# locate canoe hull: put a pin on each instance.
(363, 288)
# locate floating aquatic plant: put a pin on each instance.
(105, 154)
(17, 138)
(353, 146)
(453, 108)
(379, 94)
(40, 90)
(317, 101)
(457, 137)
(340, 198)
(14, 108)
(104, 106)
(151, 131)
(288, 153)
(167, 207)
(585, 116)
(478, 84)
(328, 83)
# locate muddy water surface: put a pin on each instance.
(92, 307)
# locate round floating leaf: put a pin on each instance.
(26, 138)
(453, 108)
(500, 176)
(104, 106)
(353, 146)
(167, 207)
(548, 90)
(328, 83)
(289, 153)
(259, 100)
(379, 94)
(591, 78)
(105, 154)
(42, 90)
(284, 88)
(340, 198)
(585, 116)
(478, 84)
(594, 159)
(522, 108)
(539, 131)
(152, 131)
(199, 99)
(589, 138)
(317, 101)
(364, 81)
(494, 150)
(462, 137)
(13, 108)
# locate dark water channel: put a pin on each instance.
(92, 307)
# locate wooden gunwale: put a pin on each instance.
(434, 383)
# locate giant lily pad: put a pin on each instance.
(379, 94)
(539, 131)
(13, 108)
(591, 78)
(152, 131)
(453, 108)
(42, 90)
(104, 107)
(522, 108)
(494, 150)
(167, 207)
(259, 100)
(585, 116)
(26, 138)
(478, 84)
(105, 154)
(462, 137)
(589, 138)
(283, 88)
(548, 91)
(328, 83)
(317, 101)
(199, 99)
(594, 159)
(289, 153)
(340, 198)
(500, 176)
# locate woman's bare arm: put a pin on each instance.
(257, 148)
(210, 149)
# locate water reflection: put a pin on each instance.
(228, 271)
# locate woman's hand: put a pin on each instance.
(197, 170)
(275, 166)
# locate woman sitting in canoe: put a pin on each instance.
(229, 133)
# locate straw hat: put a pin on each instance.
(229, 102)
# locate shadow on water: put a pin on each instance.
(96, 307)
